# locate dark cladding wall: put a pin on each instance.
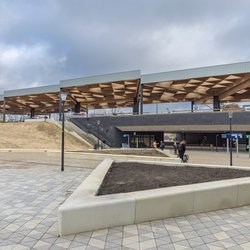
(113, 136)
(108, 133)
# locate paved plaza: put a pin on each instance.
(31, 192)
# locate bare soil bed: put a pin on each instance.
(129, 177)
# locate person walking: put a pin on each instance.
(162, 146)
(154, 145)
(181, 150)
(175, 146)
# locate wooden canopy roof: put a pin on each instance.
(97, 92)
(231, 83)
(104, 91)
(43, 99)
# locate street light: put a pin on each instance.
(230, 115)
(63, 96)
(216, 142)
(98, 133)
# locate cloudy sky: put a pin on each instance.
(44, 41)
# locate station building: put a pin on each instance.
(215, 85)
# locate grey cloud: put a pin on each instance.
(94, 36)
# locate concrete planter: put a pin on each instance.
(84, 211)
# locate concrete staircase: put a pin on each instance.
(91, 132)
(89, 138)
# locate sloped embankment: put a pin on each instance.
(36, 135)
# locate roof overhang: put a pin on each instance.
(104, 91)
(32, 91)
(43, 99)
(231, 83)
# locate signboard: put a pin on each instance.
(248, 146)
(169, 137)
(246, 107)
(234, 136)
(223, 136)
(247, 136)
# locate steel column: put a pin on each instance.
(77, 107)
(192, 106)
(136, 106)
(141, 99)
(216, 103)
(32, 113)
(62, 151)
(231, 142)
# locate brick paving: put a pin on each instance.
(30, 194)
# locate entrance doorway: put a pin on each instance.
(141, 141)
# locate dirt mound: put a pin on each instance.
(36, 135)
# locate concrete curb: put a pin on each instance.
(84, 211)
(98, 156)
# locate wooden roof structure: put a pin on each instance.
(43, 99)
(104, 91)
(97, 92)
(231, 83)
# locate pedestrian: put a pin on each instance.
(181, 150)
(175, 146)
(162, 145)
(154, 144)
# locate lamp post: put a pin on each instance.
(63, 97)
(230, 115)
(98, 133)
(216, 142)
